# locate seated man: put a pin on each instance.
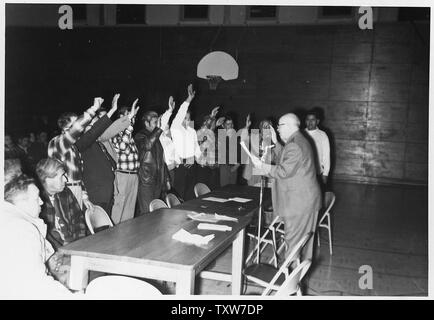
(61, 211)
(24, 250)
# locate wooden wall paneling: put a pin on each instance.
(420, 74)
(349, 91)
(352, 130)
(416, 171)
(418, 113)
(417, 152)
(300, 90)
(349, 167)
(392, 53)
(352, 52)
(310, 72)
(387, 111)
(385, 131)
(347, 110)
(419, 94)
(349, 149)
(391, 73)
(416, 133)
(352, 34)
(390, 92)
(356, 72)
(312, 52)
(393, 33)
(421, 52)
(380, 168)
(385, 150)
(268, 83)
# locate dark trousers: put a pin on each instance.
(145, 194)
(185, 180)
(209, 176)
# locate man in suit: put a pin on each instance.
(295, 192)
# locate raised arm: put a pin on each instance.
(164, 120)
(90, 136)
(65, 141)
(180, 115)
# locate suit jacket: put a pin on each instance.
(153, 169)
(295, 190)
(98, 175)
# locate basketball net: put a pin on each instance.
(213, 81)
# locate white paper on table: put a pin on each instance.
(208, 217)
(223, 217)
(238, 199)
(217, 227)
(196, 239)
(215, 199)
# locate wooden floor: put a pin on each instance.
(385, 227)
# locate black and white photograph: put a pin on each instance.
(193, 150)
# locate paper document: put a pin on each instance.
(212, 218)
(215, 199)
(217, 227)
(242, 200)
(243, 145)
(196, 239)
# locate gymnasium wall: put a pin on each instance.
(372, 85)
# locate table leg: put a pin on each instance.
(237, 263)
(78, 274)
(185, 282)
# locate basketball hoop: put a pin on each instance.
(213, 81)
(217, 66)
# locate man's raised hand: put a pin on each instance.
(114, 105)
(248, 121)
(134, 110)
(191, 93)
(97, 103)
(214, 112)
(220, 121)
(171, 104)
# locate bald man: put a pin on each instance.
(295, 192)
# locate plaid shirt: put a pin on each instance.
(63, 149)
(128, 155)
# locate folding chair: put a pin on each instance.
(172, 200)
(270, 277)
(325, 221)
(120, 287)
(269, 237)
(97, 219)
(200, 189)
(157, 204)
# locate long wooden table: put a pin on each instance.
(143, 247)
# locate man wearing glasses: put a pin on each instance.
(295, 192)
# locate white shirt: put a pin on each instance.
(170, 157)
(323, 149)
(24, 251)
(184, 139)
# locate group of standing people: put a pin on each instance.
(97, 161)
